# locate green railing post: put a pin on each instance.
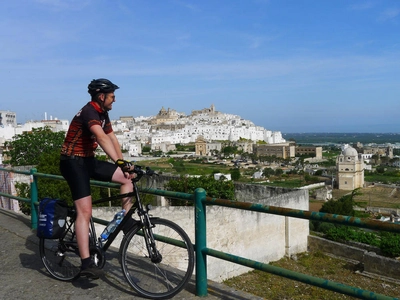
(201, 242)
(34, 199)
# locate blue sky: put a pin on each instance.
(287, 65)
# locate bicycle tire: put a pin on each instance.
(61, 257)
(160, 280)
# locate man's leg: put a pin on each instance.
(84, 212)
(126, 187)
(76, 172)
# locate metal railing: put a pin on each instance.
(202, 251)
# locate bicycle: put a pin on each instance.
(156, 255)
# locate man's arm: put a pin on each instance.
(116, 144)
(108, 142)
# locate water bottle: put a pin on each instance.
(112, 225)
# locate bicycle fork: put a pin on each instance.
(154, 254)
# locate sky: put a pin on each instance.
(286, 65)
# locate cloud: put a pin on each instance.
(187, 5)
(299, 71)
(389, 14)
(362, 5)
(65, 5)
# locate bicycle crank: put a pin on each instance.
(98, 256)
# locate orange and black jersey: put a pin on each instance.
(79, 140)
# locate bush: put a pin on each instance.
(235, 174)
(324, 227)
(343, 206)
(224, 189)
(345, 233)
(339, 233)
(390, 244)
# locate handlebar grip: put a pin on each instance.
(124, 165)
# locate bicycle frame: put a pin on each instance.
(137, 206)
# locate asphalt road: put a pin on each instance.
(23, 276)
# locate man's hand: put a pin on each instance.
(127, 167)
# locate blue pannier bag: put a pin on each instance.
(52, 218)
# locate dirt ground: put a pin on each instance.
(375, 196)
(316, 264)
(315, 206)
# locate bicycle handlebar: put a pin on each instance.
(140, 172)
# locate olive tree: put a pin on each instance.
(27, 148)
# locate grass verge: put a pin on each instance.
(316, 264)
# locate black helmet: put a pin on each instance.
(101, 85)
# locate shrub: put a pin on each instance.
(344, 233)
(390, 244)
(224, 189)
(339, 233)
(324, 227)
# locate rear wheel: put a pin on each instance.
(168, 270)
(61, 257)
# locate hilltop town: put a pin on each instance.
(162, 131)
(209, 132)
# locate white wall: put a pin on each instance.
(257, 236)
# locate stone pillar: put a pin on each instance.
(287, 237)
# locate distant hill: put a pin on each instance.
(342, 138)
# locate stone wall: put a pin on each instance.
(372, 263)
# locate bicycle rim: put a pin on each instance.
(62, 261)
(164, 279)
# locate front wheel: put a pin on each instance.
(164, 275)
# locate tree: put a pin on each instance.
(235, 174)
(268, 172)
(278, 172)
(214, 152)
(343, 206)
(28, 147)
(318, 172)
(229, 151)
(146, 149)
(224, 189)
(380, 169)
(41, 148)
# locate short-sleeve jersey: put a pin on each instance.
(79, 140)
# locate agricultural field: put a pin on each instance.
(376, 196)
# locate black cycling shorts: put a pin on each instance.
(78, 171)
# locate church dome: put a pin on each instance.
(350, 151)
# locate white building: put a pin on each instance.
(218, 176)
(8, 118)
(8, 132)
(350, 169)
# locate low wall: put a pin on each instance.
(371, 262)
(382, 210)
(257, 236)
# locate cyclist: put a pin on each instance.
(89, 128)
